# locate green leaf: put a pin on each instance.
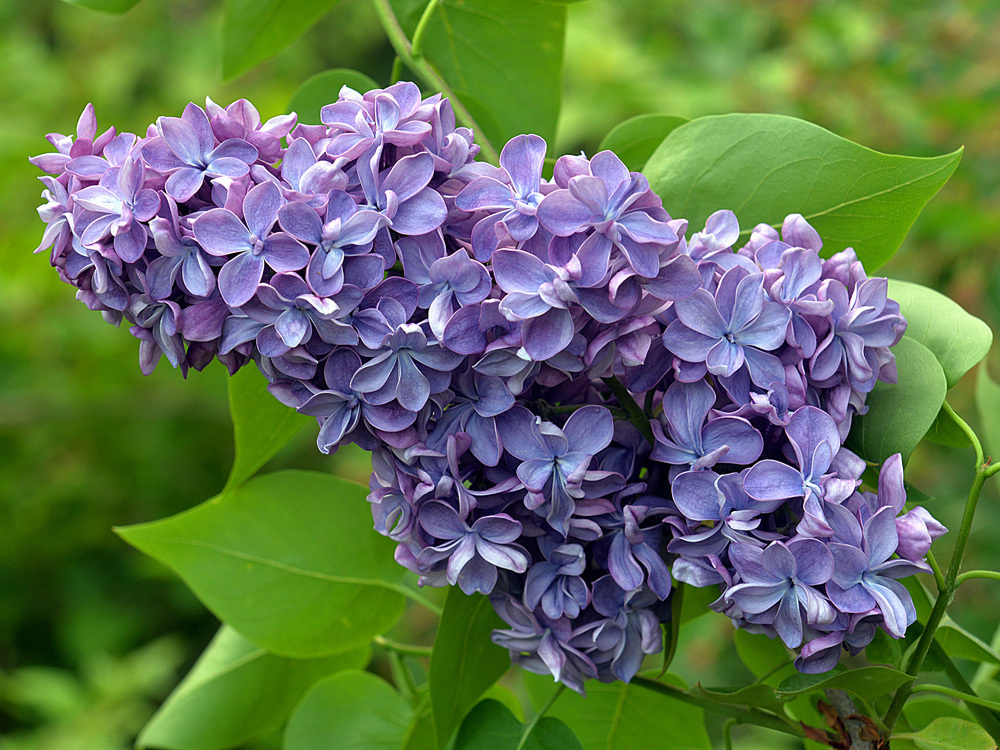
(868, 683)
(958, 340)
(620, 716)
(961, 644)
(764, 167)
(350, 711)
(759, 653)
(255, 30)
(949, 733)
(696, 601)
(237, 692)
(105, 6)
(289, 560)
(945, 431)
(635, 139)
(900, 414)
(465, 662)
(324, 88)
(988, 406)
(920, 710)
(508, 54)
(492, 726)
(262, 424)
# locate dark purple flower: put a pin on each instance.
(555, 583)
(473, 553)
(181, 258)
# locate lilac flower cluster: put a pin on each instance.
(490, 336)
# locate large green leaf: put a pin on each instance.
(255, 30)
(988, 406)
(867, 682)
(236, 692)
(350, 711)
(945, 431)
(948, 733)
(953, 638)
(506, 54)
(288, 559)
(105, 6)
(764, 167)
(760, 654)
(620, 716)
(324, 88)
(465, 662)
(900, 414)
(262, 425)
(958, 340)
(492, 726)
(635, 139)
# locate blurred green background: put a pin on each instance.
(92, 635)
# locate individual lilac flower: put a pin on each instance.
(58, 218)
(479, 401)
(409, 370)
(306, 178)
(861, 326)
(401, 194)
(221, 233)
(512, 203)
(734, 328)
(694, 443)
(186, 151)
(347, 229)
(614, 202)
(635, 549)
(629, 632)
(393, 115)
(121, 203)
(863, 578)
(537, 297)
(917, 529)
(777, 585)
(542, 645)
(157, 326)
(67, 147)
(452, 282)
(473, 552)
(92, 167)
(714, 243)
(242, 120)
(181, 258)
(796, 288)
(291, 313)
(555, 583)
(554, 460)
(815, 441)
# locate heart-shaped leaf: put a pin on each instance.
(635, 139)
(948, 733)
(988, 406)
(764, 167)
(492, 726)
(288, 559)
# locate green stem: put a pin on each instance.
(727, 733)
(755, 716)
(397, 69)
(974, 699)
(991, 470)
(969, 574)
(418, 598)
(402, 648)
(401, 676)
(969, 432)
(936, 569)
(989, 720)
(537, 717)
(943, 600)
(416, 45)
(404, 49)
(635, 414)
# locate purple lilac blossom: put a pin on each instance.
(463, 322)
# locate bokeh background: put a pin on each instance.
(92, 635)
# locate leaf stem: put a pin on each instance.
(952, 693)
(969, 432)
(401, 677)
(756, 716)
(402, 648)
(944, 598)
(936, 569)
(970, 574)
(397, 70)
(416, 45)
(417, 597)
(530, 727)
(404, 49)
(727, 733)
(635, 414)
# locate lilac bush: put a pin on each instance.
(572, 407)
